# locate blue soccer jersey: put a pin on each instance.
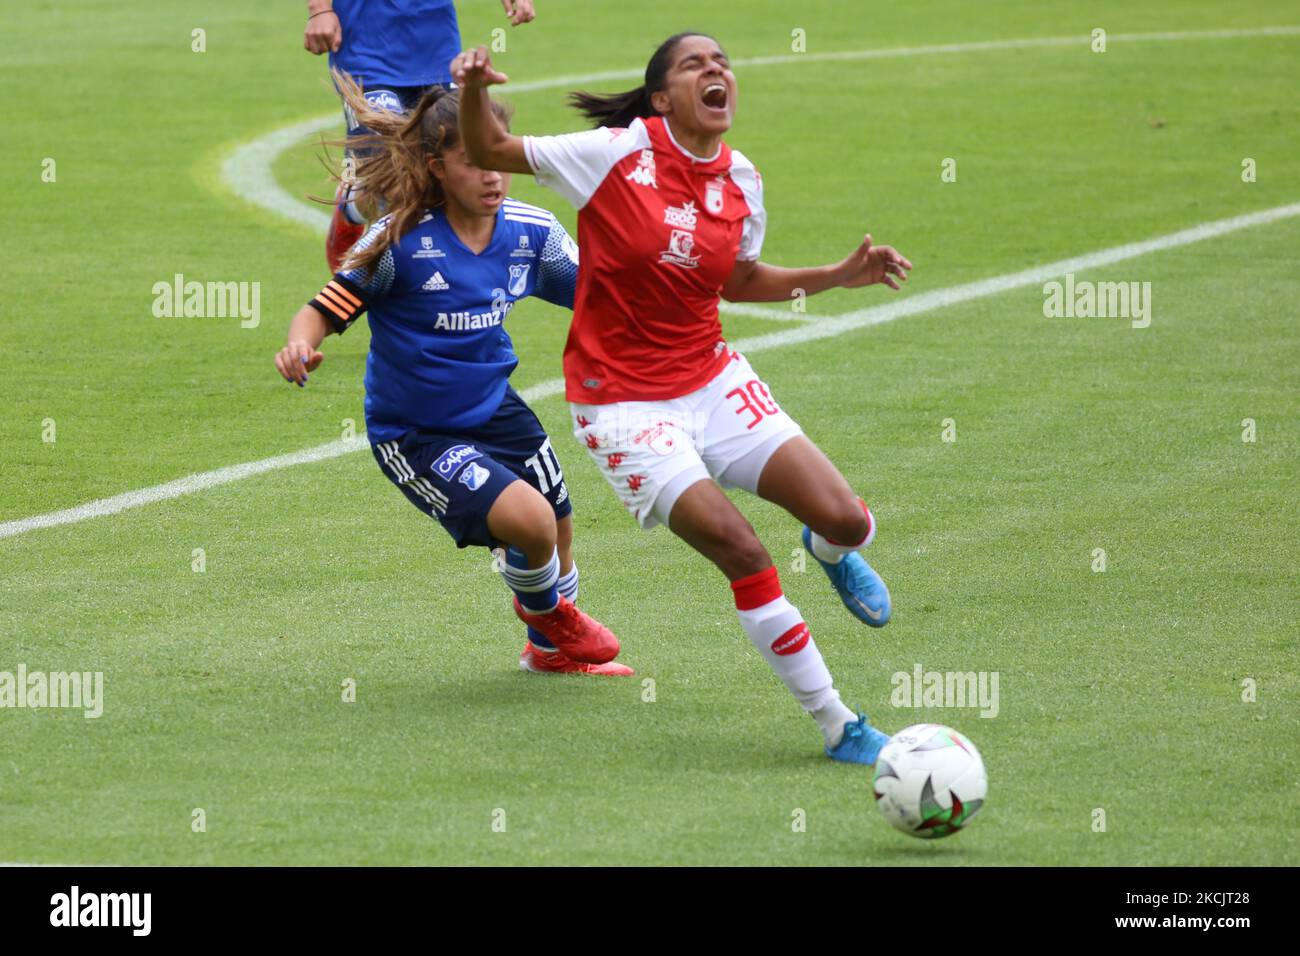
(440, 356)
(397, 42)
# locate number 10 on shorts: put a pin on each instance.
(551, 477)
(755, 400)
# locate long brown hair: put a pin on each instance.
(619, 109)
(391, 172)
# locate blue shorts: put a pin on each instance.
(456, 477)
(398, 99)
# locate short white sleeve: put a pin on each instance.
(744, 175)
(575, 164)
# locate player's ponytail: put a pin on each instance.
(616, 110)
(620, 109)
(391, 174)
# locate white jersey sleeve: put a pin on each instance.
(744, 175)
(575, 164)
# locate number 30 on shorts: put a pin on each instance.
(755, 400)
(545, 458)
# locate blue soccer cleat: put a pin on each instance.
(859, 587)
(861, 743)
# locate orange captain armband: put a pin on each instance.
(340, 302)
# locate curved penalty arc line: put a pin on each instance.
(247, 171)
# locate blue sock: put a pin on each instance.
(535, 588)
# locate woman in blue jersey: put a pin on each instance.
(397, 50)
(438, 275)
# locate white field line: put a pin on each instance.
(1037, 275)
(248, 172)
(822, 329)
(181, 486)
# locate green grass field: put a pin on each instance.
(1120, 690)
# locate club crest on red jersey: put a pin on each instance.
(713, 193)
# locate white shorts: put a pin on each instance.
(650, 452)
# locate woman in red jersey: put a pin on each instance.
(669, 219)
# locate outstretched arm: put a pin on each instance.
(301, 353)
(487, 143)
(754, 281)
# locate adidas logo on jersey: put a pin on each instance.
(436, 283)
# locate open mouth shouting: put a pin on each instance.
(716, 98)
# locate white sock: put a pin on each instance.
(777, 629)
(568, 584)
(831, 719)
(353, 214)
(832, 552)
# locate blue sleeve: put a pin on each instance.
(557, 275)
(376, 283)
(352, 291)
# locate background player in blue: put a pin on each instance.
(396, 50)
(438, 275)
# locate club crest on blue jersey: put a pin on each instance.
(519, 278)
(450, 461)
(474, 476)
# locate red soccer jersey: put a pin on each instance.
(659, 231)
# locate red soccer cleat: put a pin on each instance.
(539, 662)
(579, 637)
(343, 234)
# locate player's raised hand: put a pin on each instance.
(519, 11)
(870, 264)
(324, 33)
(473, 69)
(296, 359)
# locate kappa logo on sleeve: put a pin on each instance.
(644, 171)
(453, 459)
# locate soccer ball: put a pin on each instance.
(929, 781)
